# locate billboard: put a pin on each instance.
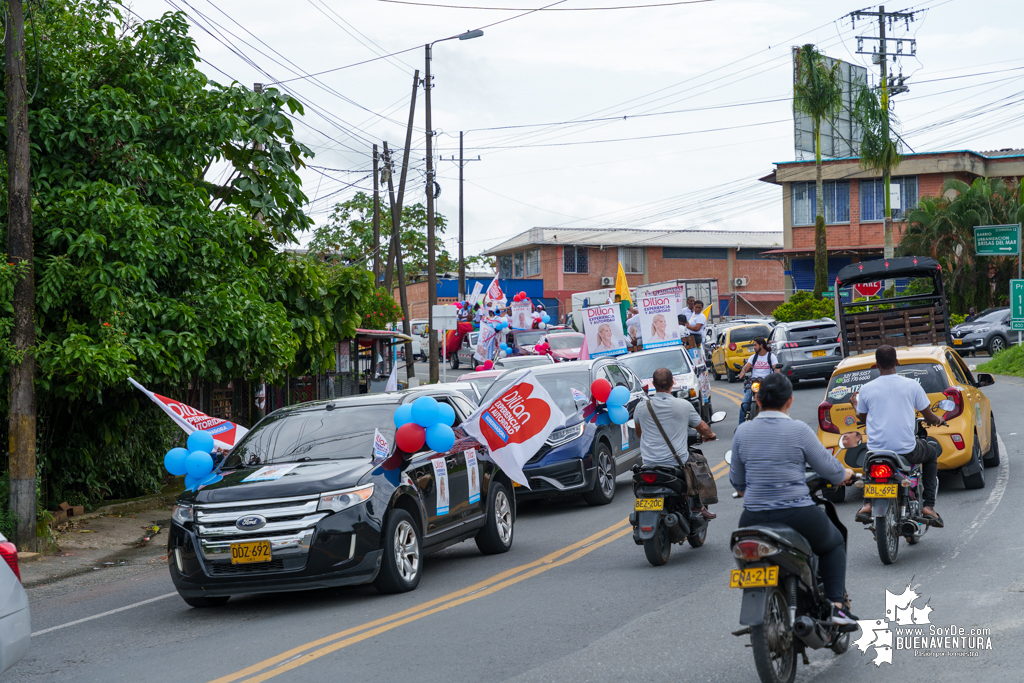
(841, 139)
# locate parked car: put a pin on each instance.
(419, 327)
(565, 345)
(516, 362)
(685, 382)
(15, 617)
(587, 453)
(305, 504)
(807, 349)
(733, 347)
(417, 350)
(989, 331)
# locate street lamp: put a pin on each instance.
(431, 261)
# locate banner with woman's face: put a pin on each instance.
(603, 327)
(659, 317)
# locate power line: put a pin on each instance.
(547, 9)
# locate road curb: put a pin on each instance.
(132, 506)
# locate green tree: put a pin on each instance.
(143, 268)
(878, 151)
(347, 237)
(818, 93)
(803, 306)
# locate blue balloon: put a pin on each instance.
(174, 461)
(618, 397)
(403, 415)
(198, 464)
(504, 347)
(200, 441)
(445, 414)
(424, 411)
(618, 414)
(211, 478)
(545, 318)
(440, 438)
(191, 482)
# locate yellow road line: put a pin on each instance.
(730, 392)
(479, 589)
(719, 466)
(722, 473)
(728, 396)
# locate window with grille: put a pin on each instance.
(872, 198)
(632, 259)
(575, 260)
(505, 266)
(517, 261)
(837, 202)
(533, 262)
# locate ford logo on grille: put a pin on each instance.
(251, 522)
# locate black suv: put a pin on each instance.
(305, 503)
(807, 349)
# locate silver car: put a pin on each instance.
(15, 620)
(807, 349)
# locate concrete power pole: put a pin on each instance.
(396, 242)
(376, 221)
(396, 209)
(431, 258)
(21, 422)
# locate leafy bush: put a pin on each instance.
(956, 319)
(1008, 362)
(803, 306)
(379, 309)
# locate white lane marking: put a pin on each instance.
(990, 505)
(104, 614)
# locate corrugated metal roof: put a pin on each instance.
(586, 237)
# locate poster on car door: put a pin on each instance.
(441, 479)
(522, 315)
(659, 320)
(485, 341)
(473, 471)
(603, 328)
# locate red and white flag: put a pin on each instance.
(494, 293)
(225, 433)
(515, 425)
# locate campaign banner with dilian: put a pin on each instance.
(659, 318)
(602, 326)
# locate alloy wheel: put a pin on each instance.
(606, 474)
(407, 551)
(503, 517)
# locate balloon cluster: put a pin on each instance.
(486, 365)
(425, 420)
(521, 296)
(194, 461)
(545, 318)
(542, 349)
(615, 399)
(505, 347)
(500, 325)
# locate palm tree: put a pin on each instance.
(878, 151)
(818, 93)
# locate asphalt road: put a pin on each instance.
(574, 600)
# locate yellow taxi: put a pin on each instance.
(733, 346)
(969, 441)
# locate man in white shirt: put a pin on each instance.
(684, 317)
(759, 365)
(698, 322)
(888, 404)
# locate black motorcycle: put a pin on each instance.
(663, 514)
(896, 490)
(785, 609)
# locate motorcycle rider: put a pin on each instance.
(887, 404)
(769, 458)
(759, 365)
(676, 416)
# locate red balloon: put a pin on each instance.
(480, 368)
(410, 437)
(600, 389)
(488, 365)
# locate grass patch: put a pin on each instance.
(1008, 362)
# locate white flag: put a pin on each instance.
(392, 384)
(515, 425)
(224, 432)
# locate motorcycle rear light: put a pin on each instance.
(825, 418)
(648, 477)
(880, 471)
(10, 554)
(732, 347)
(753, 549)
(646, 528)
(958, 441)
(958, 401)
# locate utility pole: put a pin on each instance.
(376, 221)
(403, 298)
(462, 161)
(396, 209)
(881, 56)
(431, 261)
(21, 422)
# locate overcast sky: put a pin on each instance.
(722, 69)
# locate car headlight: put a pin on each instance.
(981, 330)
(182, 514)
(563, 436)
(336, 501)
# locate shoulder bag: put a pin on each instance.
(700, 482)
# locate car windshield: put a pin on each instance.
(645, 364)
(522, 362)
(560, 342)
(529, 338)
(931, 377)
(558, 383)
(481, 383)
(314, 433)
(824, 331)
(995, 315)
(745, 334)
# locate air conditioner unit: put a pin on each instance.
(740, 281)
(607, 281)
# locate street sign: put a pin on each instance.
(1017, 325)
(1017, 300)
(867, 289)
(997, 240)
(445, 317)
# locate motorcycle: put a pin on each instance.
(662, 514)
(785, 609)
(755, 385)
(896, 490)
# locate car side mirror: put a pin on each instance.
(718, 417)
(850, 440)
(728, 457)
(985, 380)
